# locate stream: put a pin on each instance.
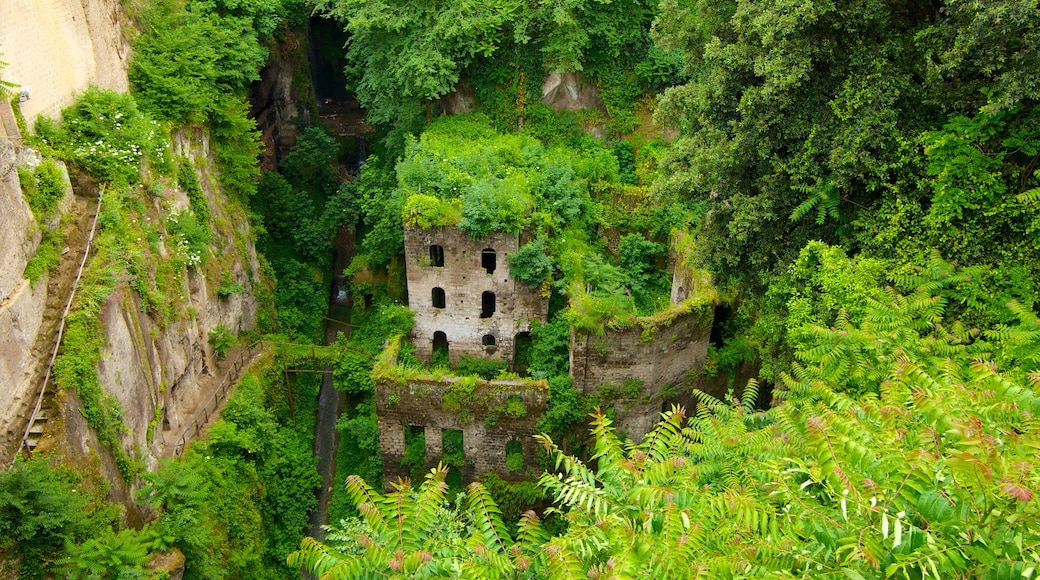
(330, 400)
(343, 116)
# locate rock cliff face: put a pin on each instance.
(157, 372)
(21, 304)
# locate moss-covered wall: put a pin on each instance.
(489, 414)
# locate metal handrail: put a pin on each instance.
(218, 396)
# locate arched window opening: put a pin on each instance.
(438, 298)
(488, 260)
(488, 340)
(440, 350)
(487, 304)
(437, 256)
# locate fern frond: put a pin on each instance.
(487, 518)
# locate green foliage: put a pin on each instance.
(650, 286)
(565, 409)
(415, 532)
(236, 146)
(530, 264)
(228, 285)
(427, 211)
(452, 446)
(189, 182)
(401, 58)
(106, 134)
(414, 456)
(221, 339)
(550, 348)
(191, 236)
(239, 502)
(186, 59)
(111, 555)
(41, 509)
(784, 141)
(42, 187)
(47, 255)
(487, 369)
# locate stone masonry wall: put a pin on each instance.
(464, 280)
(606, 362)
(419, 403)
(59, 47)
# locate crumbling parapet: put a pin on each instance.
(489, 414)
(641, 363)
(463, 297)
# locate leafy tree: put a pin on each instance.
(530, 264)
(805, 121)
(402, 56)
(186, 59)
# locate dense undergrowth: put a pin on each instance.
(860, 181)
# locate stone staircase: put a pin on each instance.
(60, 288)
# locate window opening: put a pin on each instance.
(414, 451)
(514, 455)
(454, 453)
(488, 260)
(438, 297)
(488, 340)
(440, 350)
(522, 352)
(437, 256)
(487, 304)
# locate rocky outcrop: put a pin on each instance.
(570, 92)
(19, 236)
(21, 304)
(157, 372)
(277, 103)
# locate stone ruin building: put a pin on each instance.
(466, 303)
(464, 300)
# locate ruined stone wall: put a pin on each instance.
(665, 357)
(464, 280)
(59, 47)
(486, 429)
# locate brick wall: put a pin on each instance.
(59, 47)
(464, 280)
(419, 402)
(600, 363)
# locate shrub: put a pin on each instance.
(221, 339)
(43, 187)
(228, 285)
(106, 134)
(531, 264)
(486, 369)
